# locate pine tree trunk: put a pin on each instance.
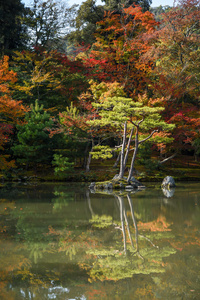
(128, 148)
(134, 156)
(122, 166)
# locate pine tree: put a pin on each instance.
(134, 121)
(34, 143)
(11, 28)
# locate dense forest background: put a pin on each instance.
(92, 81)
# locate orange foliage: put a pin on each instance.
(158, 225)
(120, 41)
(11, 111)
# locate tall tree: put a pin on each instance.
(48, 23)
(119, 45)
(175, 54)
(11, 27)
(116, 5)
(176, 50)
(88, 15)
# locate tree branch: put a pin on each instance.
(142, 141)
(166, 159)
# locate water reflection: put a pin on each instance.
(66, 241)
(139, 255)
(168, 192)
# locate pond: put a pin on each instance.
(60, 241)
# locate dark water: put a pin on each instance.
(63, 242)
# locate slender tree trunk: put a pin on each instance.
(134, 221)
(121, 203)
(89, 203)
(128, 148)
(134, 155)
(117, 160)
(87, 169)
(122, 166)
(128, 229)
(86, 155)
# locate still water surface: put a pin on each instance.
(60, 241)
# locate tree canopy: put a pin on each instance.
(144, 67)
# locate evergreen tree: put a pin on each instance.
(134, 121)
(88, 15)
(11, 28)
(118, 4)
(35, 145)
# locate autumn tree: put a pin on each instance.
(89, 14)
(119, 45)
(135, 121)
(11, 111)
(80, 135)
(50, 77)
(174, 53)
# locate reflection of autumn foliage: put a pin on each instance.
(158, 225)
(135, 254)
(92, 293)
(10, 262)
(5, 208)
(190, 238)
(145, 292)
(71, 242)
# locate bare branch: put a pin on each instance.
(147, 138)
(168, 158)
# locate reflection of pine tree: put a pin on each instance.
(114, 262)
(36, 251)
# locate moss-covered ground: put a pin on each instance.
(182, 168)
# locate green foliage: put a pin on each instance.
(116, 5)
(101, 152)
(34, 144)
(101, 221)
(88, 15)
(196, 145)
(48, 76)
(62, 165)
(12, 32)
(115, 109)
(144, 158)
(61, 199)
(47, 23)
(111, 264)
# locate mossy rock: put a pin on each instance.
(116, 184)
